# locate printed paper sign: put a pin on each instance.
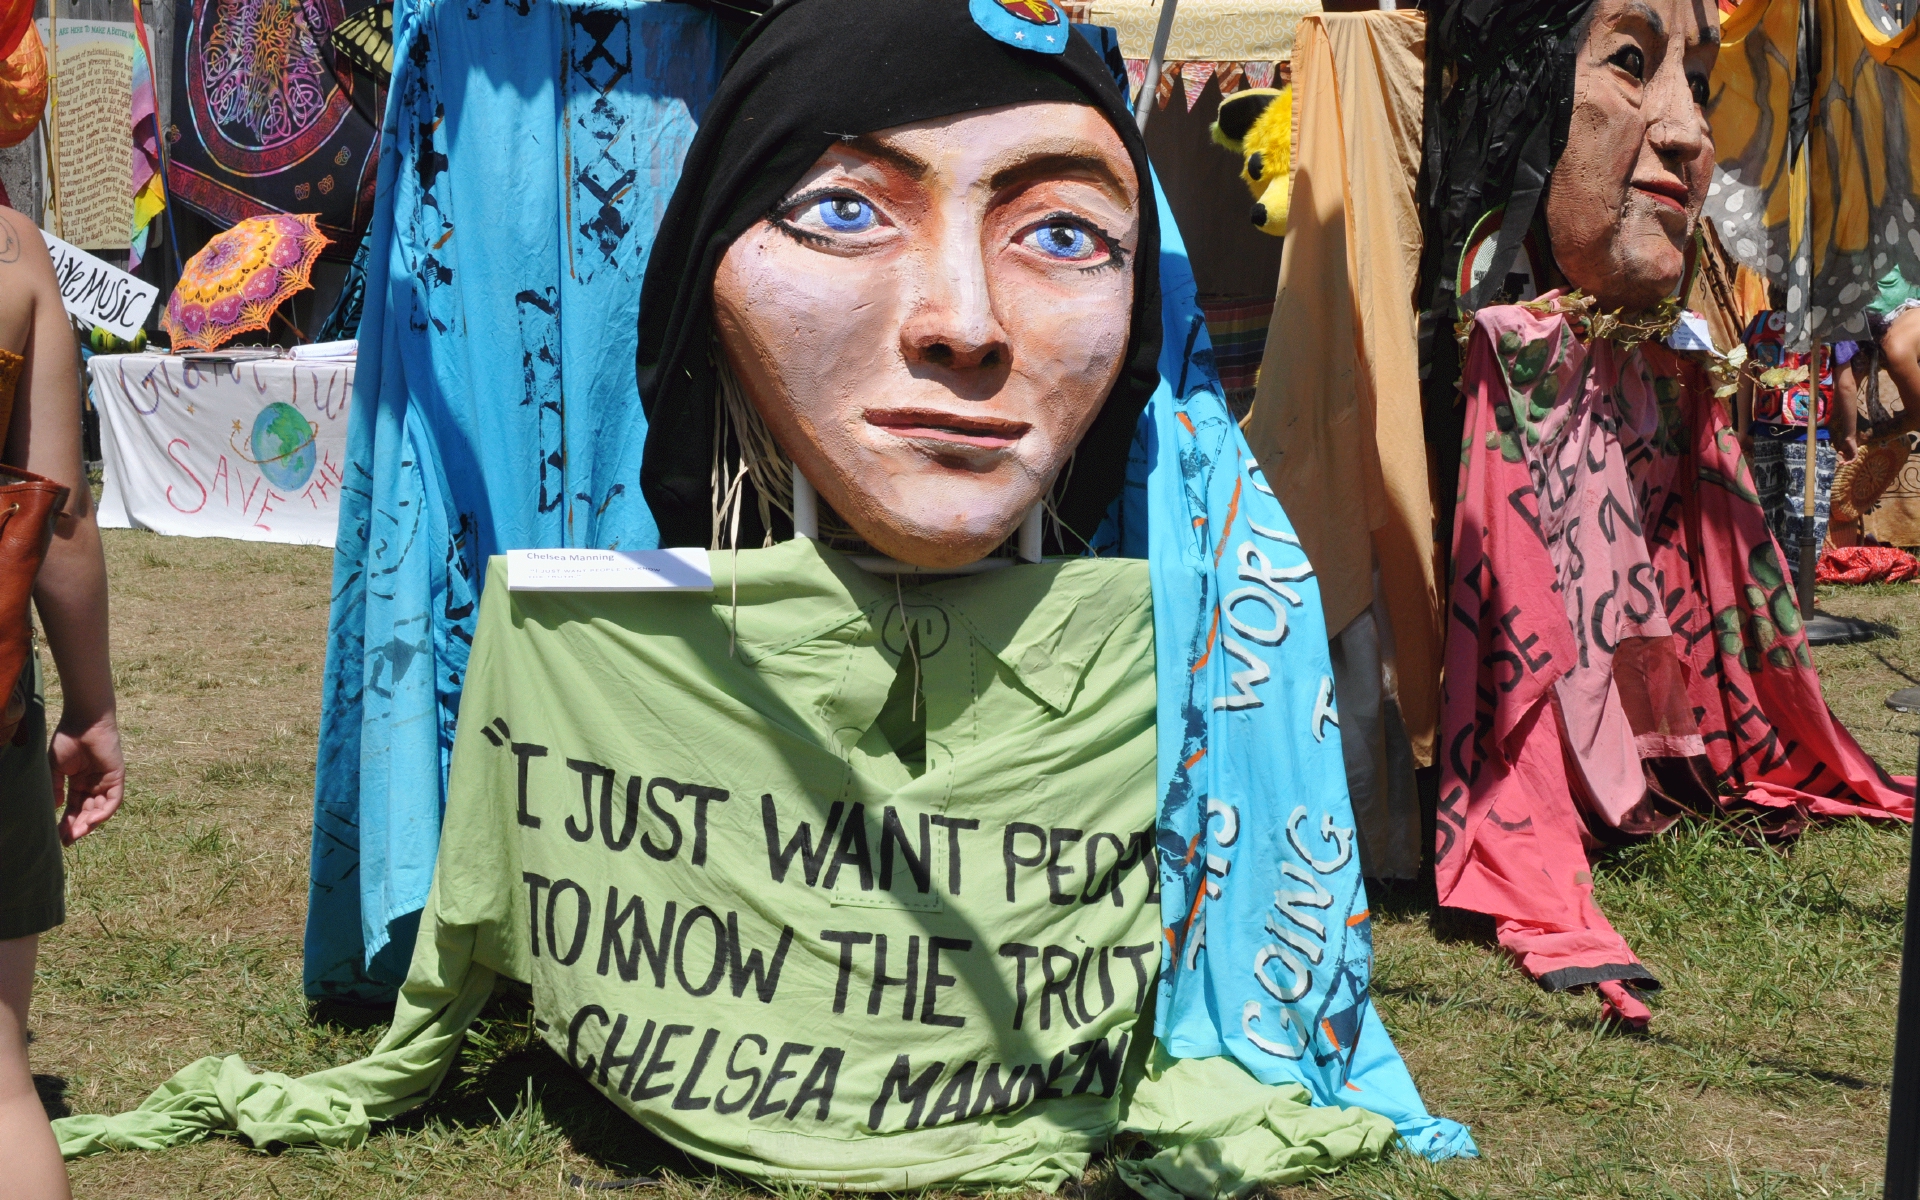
(680, 570)
(93, 84)
(99, 293)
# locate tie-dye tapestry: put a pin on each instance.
(260, 123)
(529, 151)
(149, 196)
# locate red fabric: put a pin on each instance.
(1867, 564)
(1622, 644)
(14, 21)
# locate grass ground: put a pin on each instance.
(1765, 1075)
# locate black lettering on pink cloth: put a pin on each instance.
(1642, 599)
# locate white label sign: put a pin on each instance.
(99, 293)
(678, 570)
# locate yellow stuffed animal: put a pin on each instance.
(1257, 124)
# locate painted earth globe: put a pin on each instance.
(283, 446)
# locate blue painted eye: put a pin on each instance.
(846, 214)
(1063, 241)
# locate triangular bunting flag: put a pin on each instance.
(1259, 74)
(1168, 73)
(1232, 77)
(1195, 75)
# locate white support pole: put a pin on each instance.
(1809, 547)
(1030, 534)
(806, 508)
(1150, 86)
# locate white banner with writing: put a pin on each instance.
(249, 450)
(97, 292)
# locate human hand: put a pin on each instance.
(86, 755)
(1847, 446)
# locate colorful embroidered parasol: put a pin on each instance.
(239, 278)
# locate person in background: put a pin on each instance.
(39, 376)
(1771, 419)
(1898, 334)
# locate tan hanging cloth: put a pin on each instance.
(1336, 419)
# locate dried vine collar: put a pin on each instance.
(1624, 329)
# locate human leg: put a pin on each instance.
(1770, 482)
(1825, 463)
(32, 901)
(33, 1167)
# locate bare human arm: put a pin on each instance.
(1844, 422)
(1743, 413)
(71, 591)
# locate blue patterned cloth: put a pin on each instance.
(529, 150)
(1268, 945)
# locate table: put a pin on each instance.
(253, 450)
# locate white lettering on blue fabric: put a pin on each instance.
(1342, 838)
(1324, 713)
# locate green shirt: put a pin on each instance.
(824, 878)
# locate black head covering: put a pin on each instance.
(809, 73)
(1499, 101)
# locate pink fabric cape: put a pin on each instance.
(1622, 643)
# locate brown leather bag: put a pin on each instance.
(28, 505)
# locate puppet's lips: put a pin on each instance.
(955, 429)
(1669, 192)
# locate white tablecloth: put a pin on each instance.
(253, 450)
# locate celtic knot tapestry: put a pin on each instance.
(262, 125)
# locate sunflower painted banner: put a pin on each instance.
(248, 450)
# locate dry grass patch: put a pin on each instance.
(1765, 1075)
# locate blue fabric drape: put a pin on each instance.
(528, 152)
(1268, 943)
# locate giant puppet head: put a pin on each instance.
(910, 257)
(1626, 193)
(1579, 123)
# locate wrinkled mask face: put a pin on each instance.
(933, 317)
(1627, 190)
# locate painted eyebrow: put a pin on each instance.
(1708, 35)
(1043, 166)
(1652, 18)
(907, 164)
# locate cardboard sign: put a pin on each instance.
(99, 293)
